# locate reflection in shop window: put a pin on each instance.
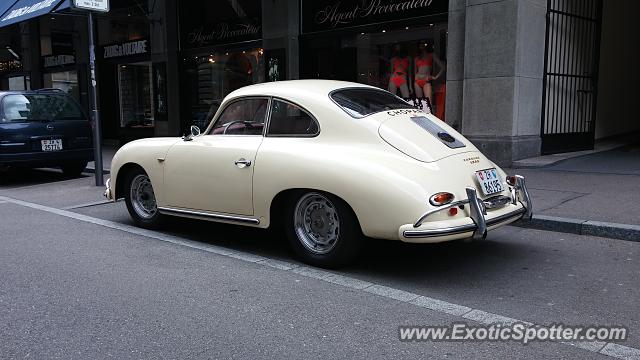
(213, 76)
(66, 81)
(136, 95)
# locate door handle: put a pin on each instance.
(242, 162)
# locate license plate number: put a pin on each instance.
(490, 181)
(51, 145)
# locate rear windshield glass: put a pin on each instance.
(39, 107)
(364, 102)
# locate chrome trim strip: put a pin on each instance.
(462, 229)
(524, 197)
(210, 216)
(443, 207)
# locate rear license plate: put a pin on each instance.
(490, 181)
(51, 145)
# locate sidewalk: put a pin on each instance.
(594, 194)
(107, 155)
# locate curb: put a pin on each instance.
(91, 170)
(583, 227)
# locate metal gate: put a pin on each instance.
(572, 52)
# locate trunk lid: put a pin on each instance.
(422, 136)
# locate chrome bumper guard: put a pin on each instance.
(107, 190)
(478, 211)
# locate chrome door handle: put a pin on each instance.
(241, 163)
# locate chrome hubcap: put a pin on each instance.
(316, 223)
(142, 197)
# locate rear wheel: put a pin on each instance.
(74, 169)
(141, 200)
(322, 229)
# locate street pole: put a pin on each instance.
(95, 114)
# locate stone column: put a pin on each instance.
(280, 23)
(164, 44)
(502, 85)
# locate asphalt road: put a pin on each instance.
(82, 283)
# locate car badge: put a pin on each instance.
(49, 127)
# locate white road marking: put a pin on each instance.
(609, 349)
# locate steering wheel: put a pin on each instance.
(247, 124)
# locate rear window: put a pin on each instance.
(39, 107)
(360, 102)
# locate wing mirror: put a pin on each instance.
(194, 131)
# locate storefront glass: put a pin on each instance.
(409, 61)
(210, 77)
(136, 95)
(66, 81)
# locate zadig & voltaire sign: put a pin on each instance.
(334, 14)
(126, 49)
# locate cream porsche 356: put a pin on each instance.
(330, 163)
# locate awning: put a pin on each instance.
(22, 10)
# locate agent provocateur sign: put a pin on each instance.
(221, 33)
(334, 14)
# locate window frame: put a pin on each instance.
(409, 106)
(216, 118)
(276, 98)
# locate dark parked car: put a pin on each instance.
(44, 128)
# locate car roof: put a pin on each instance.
(29, 92)
(295, 88)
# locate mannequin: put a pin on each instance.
(399, 72)
(424, 64)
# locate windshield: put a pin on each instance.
(39, 107)
(361, 102)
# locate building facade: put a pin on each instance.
(518, 77)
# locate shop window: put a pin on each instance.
(408, 61)
(136, 95)
(290, 120)
(19, 83)
(66, 81)
(242, 117)
(210, 77)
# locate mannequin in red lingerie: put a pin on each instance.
(424, 64)
(400, 72)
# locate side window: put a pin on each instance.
(242, 117)
(289, 120)
(16, 108)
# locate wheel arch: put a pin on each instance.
(123, 171)
(279, 202)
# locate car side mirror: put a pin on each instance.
(193, 131)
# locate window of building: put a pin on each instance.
(66, 81)
(212, 76)
(242, 117)
(290, 120)
(136, 95)
(408, 60)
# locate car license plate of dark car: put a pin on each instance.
(51, 145)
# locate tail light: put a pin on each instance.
(441, 198)
(511, 180)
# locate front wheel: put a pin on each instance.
(141, 200)
(322, 229)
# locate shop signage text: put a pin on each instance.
(59, 60)
(333, 14)
(126, 49)
(25, 10)
(222, 32)
(10, 66)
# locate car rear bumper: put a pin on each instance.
(41, 159)
(478, 221)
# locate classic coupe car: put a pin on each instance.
(326, 161)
